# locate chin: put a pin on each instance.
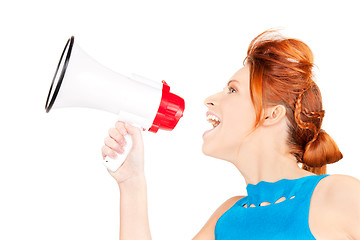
(204, 150)
(211, 152)
(207, 150)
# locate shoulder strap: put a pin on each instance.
(307, 190)
(310, 186)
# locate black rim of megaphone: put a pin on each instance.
(62, 74)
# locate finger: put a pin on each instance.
(114, 145)
(116, 135)
(106, 151)
(119, 125)
(134, 132)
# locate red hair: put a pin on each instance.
(281, 73)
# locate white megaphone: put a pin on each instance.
(80, 81)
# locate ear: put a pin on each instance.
(273, 115)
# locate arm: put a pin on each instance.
(339, 207)
(134, 223)
(208, 231)
(345, 200)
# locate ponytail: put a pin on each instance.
(320, 151)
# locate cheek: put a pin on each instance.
(238, 121)
(234, 130)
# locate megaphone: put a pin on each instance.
(80, 81)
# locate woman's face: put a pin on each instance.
(234, 108)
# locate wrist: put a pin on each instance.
(137, 182)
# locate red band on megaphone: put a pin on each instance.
(170, 110)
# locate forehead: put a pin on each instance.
(242, 75)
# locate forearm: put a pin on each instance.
(134, 222)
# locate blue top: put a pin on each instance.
(286, 219)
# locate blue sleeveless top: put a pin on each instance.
(286, 219)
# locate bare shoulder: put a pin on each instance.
(337, 188)
(335, 208)
(207, 232)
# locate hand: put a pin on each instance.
(133, 165)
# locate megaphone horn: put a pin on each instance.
(80, 81)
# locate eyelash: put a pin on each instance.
(230, 89)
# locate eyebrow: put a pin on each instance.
(232, 81)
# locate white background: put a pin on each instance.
(52, 182)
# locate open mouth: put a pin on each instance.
(215, 121)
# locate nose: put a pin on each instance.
(209, 101)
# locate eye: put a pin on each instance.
(231, 90)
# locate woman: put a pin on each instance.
(266, 121)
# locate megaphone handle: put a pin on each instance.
(114, 164)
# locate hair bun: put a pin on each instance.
(321, 150)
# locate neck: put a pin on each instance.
(264, 160)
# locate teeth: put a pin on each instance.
(212, 117)
(213, 120)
